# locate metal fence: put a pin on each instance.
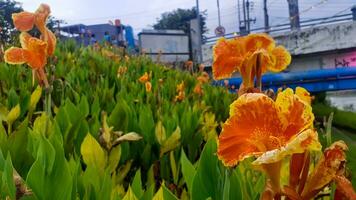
(286, 27)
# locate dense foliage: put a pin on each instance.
(179, 19)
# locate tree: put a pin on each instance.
(179, 19)
(7, 7)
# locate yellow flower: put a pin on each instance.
(24, 21)
(251, 55)
(180, 87)
(121, 71)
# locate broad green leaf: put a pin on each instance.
(129, 195)
(114, 158)
(137, 184)
(171, 143)
(188, 170)
(84, 106)
(208, 179)
(93, 154)
(45, 183)
(35, 97)
(160, 132)
(148, 195)
(164, 194)
(13, 114)
(8, 185)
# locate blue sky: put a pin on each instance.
(143, 13)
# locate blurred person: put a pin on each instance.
(107, 38)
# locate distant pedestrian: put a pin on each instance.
(92, 40)
(107, 38)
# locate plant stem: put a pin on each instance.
(9, 128)
(258, 72)
(48, 101)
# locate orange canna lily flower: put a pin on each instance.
(148, 86)
(328, 167)
(198, 89)
(24, 21)
(270, 130)
(144, 78)
(180, 96)
(203, 78)
(251, 55)
(258, 125)
(33, 52)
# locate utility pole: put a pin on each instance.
(294, 14)
(219, 18)
(244, 11)
(265, 11)
(199, 32)
(248, 15)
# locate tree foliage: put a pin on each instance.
(7, 7)
(179, 19)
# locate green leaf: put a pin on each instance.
(84, 106)
(8, 185)
(171, 143)
(93, 154)
(114, 158)
(160, 132)
(45, 183)
(13, 114)
(164, 194)
(207, 181)
(129, 195)
(35, 97)
(119, 117)
(188, 170)
(173, 167)
(137, 185)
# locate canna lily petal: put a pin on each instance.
(227, 57)
(42, 14)
(330, 165)
(33, 52)
(307, 140)
(295, 114)
(144, 78)
(250, 129)
(51, 40)
(148, 86)
(344, 189)
(255, 42)
(16, 55)
(281, 58)
(23, 21)
(303, 94)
